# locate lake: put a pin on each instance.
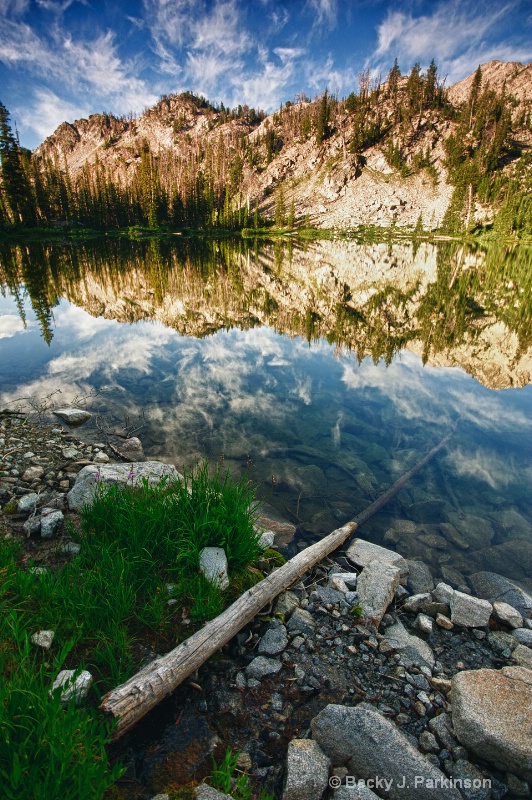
(323, 369)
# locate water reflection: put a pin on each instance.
(330, 368)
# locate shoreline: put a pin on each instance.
(312, 650)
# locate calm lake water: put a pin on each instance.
(325, 370)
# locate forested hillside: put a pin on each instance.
(405, 152)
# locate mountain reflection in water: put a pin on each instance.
(327, 370)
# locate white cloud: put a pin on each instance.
(58, 6)
(48, 111)
(10, 324)
(221, 30)
(326, 12)
(454, 34)
(15, 8)
(110, 84)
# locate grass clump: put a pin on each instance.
(239, 786)
(47, 751)
(140, 549)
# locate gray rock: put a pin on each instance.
(76, 685)
(32, 474)
(307, 771)
(374, 747)
(362, 553)
(444, 622)
(492, 586)
(507, 614)
(336, 582)
(301, 621)
(327, 594)
(470, 612)
(71, 453)
(349, 578)
(51, 524)
(261, 667)
(501, 641)
(71, 548)
(419, 577)
(267, 539)
(452, 535)
(106, 475)
(453, 577)
(477, 531)
(161, 797)
(27, 503)
(428, 743)
(274, 641)
(523, 636)
(424, 623)
(416, 602)
(412, 649)
(357, 792)
(441, 727)
(32, 526)
(443, 593)
(523, 656)
(213, 565)
(43, 639)
(73, 416)
(131, 449)
(101, 458)
(205, 792)
(474, 785)
(516, 786)
(377, 584)
(492, 716)
(286, 603)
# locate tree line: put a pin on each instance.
(211, 180)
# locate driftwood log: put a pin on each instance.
(128, 703)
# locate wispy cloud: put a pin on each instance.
(326, 12)
(93, 64)
(13, 7)
(48, 111)
(455, 34)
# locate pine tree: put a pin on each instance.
(15, 186)
(322, 123)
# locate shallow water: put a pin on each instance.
(324, 371)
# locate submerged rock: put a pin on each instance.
(492, 586)
(270, 519)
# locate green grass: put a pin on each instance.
(239, 787)
(112, 596)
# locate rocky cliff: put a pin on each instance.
(390, 171)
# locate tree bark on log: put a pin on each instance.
(129, 702)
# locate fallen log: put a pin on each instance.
(132, 700)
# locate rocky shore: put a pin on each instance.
(364, 680)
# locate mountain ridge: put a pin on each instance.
(382, 157)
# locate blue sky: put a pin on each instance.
(65, 59)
